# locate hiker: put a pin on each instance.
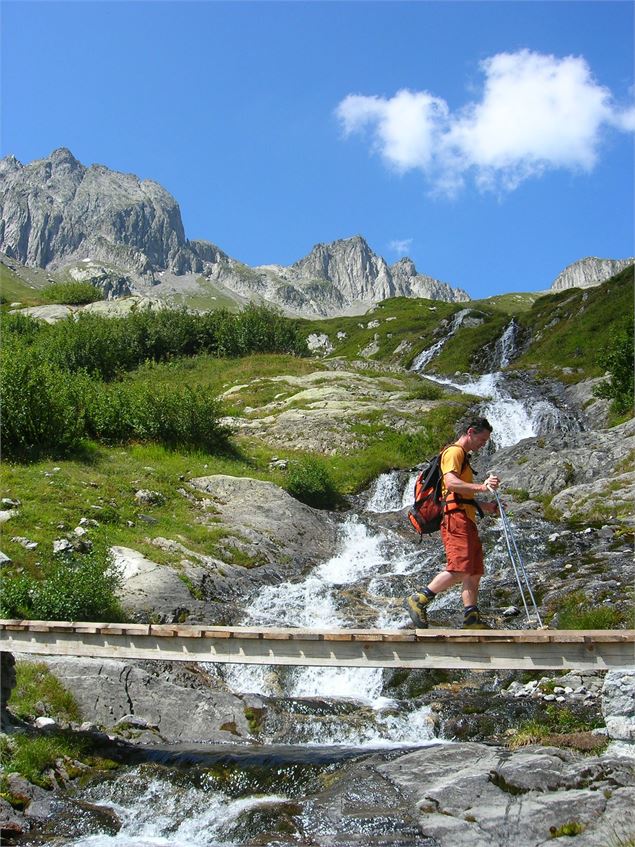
(463, 549)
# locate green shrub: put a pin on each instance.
(77, 588)
(42, 406)
(617, 359)
(143, 412)
(73, 293)
(310, 481)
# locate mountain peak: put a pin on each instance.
(63, 156)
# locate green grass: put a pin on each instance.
(206, 296)
(570, 327)
(463, 349)
(400, 319)
(36, 755)
(38, 691)
(14, 290)
(579, 612)
(509, 304)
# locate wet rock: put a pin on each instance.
(12, 822)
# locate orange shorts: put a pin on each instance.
(463, 547)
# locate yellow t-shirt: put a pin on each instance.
(452, 461)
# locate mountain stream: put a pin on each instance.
(308, 711)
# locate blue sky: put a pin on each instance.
(490, 141)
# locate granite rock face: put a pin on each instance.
(56, 211)
(588, 272)
(158, 693)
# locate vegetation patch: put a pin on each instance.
(38, 692)
(37, 758)
(577, 611)
(568, 327)
(73, 293)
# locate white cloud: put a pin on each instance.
(400, 246)
(405, 126)
(536, 112)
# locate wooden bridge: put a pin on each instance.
(542, 649)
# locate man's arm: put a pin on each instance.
(455, 484)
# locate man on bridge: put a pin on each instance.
(463, 549)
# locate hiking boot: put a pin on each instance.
(415, 605)
(473, 620)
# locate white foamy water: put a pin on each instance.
(366, 560)
(161, 815)
(427, 355)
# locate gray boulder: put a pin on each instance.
(184, 702)
(618, 705)
(471, 794)
(268, 523)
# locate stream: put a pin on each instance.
(351, 712)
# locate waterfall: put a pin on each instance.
(389, 494)
(512, 419)
(427, 355)
(506, 345)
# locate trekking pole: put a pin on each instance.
(517, 561)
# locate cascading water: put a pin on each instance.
(427, 355)
(362, 584)
(511, 417)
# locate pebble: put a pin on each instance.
(9, 503)
(40, 723)
(24, 542)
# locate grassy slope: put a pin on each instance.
(14, 290)
(569, 327)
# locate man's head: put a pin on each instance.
(477, 433)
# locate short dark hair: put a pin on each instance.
(478, 425)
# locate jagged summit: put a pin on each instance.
(58, 214)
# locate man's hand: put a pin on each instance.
(492, 482)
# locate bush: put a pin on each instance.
(142, 412)
(309, 481)
(73, 293)
(617, 359)
(79, 588)
(42, 406)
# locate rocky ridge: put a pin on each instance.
(586, 273)
(125, 234)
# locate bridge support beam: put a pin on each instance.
(433, 648)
